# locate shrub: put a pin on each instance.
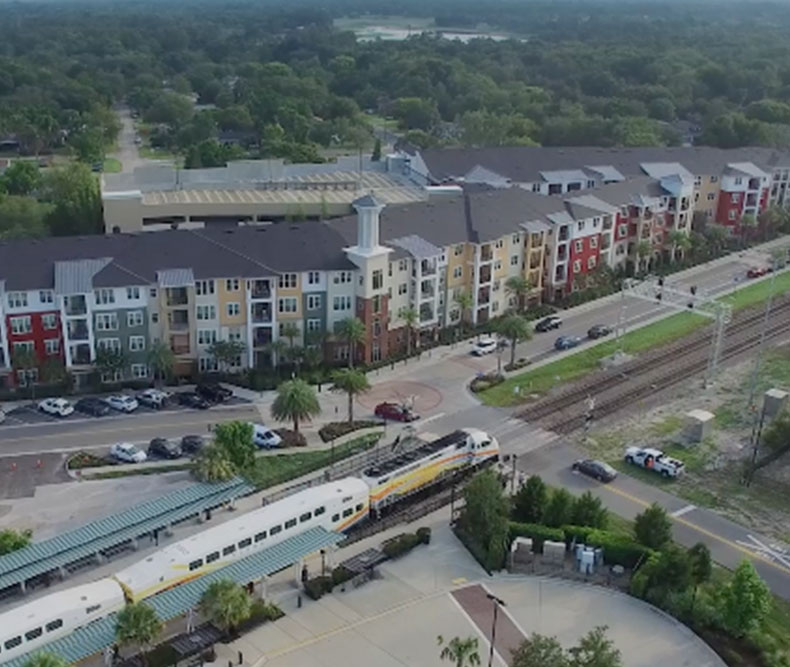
(618, 549)
(579, 534)
(341, 575)
(539, 534)
(483, 382)
(87, 460)
(334, 430)
(520, 363)
(424, 535)
(478, 551)
(291, 438)
(400, 545)
(317, 587)
(265, 611)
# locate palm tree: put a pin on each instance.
(226, 604)
(678, 241)
(295, 400)
(748, 223)
(278, 349)
(225, 352)
(519, 287)
(352, 331)
(516, 329)
(45, 660)
(137, 624)
(213, 465)
(461, 652)
(290, 331)
(161, 360)
(643, 251)
(352, 382)
(410, 317)
(465, 301)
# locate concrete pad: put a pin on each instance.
(378, 596)
(335, 605)
(318, 618)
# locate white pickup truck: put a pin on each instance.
(655, 460)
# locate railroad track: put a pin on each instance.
(564, 412)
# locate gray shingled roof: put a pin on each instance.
(417, 246)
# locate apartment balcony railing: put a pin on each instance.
(485, 274)
(562, 252)
(177, 296)
(684, 205)
(75, 306)
(261, 315)
(754, 184)
(80, 355)
(178, 320)
(427, 268)
(486, 255)
(607, 224)
(564, 234)
(77, 330)
(179, 344)
(261, 337)
(648, 214)
(261, 290)
(426, 314)
(483, 296)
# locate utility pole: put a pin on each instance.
(496, 602)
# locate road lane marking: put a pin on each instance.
(701, 530)
(684, 510)
(432, 418)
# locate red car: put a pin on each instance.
(395, 412)
(757, 271)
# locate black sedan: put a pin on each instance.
(213, 391)
(95, 407)
(598, 331)
(548, 323)
(192, 444)
(164, 449)
(190, 399)
(595, 469)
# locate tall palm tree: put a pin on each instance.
(296, 400)
(226, 604)
(213, 465)
(516, 329)
(352, 331)
(643, 251)
(519, 287)
(465, 301)
(461, 652)
(161, 360)
(138, 624)
(279, 350)
(46, 660)
(352, 382)
(678, 241)
(410, 317)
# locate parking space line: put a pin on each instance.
(684, 510)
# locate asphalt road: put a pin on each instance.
(128, 152)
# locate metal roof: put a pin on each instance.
(175, 277)
(76, 277)
(86, 540)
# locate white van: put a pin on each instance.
(264, 437)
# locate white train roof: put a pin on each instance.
(34, 614)
(230, 532)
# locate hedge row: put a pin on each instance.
(402, 544)
(537, 532)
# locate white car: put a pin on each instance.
(126, 452)
(57, 407)
(122, 403)
(264, 437)
(485, 346)
(153, 398)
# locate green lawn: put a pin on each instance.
(112, 166)
(759, 292)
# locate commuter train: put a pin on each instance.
(336, 506)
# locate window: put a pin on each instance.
(697, 180)
(25, 346)
(458, 272)
(17, 300)
(207, 364)
(580, 225)
(290, 523)
(348, 512)
(49, 321)
(21, 325)
(207, 336)
(275, 529)
(107, 322)
(577, 266)
(152, 292)
(497, 285)
(133, 293)
(732, 215)
(260, 537)
(377, 328)
(53, 625)
(288, 281)
(497, 265)
(536, 187)
(313, 277)
(234, 334)
(204, 287)
(111, 344)
(196, 564)
(495, 306)
(313, 324)
(714, 179)
(403, 264)
(136, 343)
(287, 304)
(403, 288)
(341, 303)
(13, 643)
(30, 635)
(500, 243)
(738, 180)
(335, 518)
(206, 313)
(104, 296)
(212, 557)
(232, 284)
(590, 184)
(139, 371)
(154, 317)
(233, 309)
(516, 239)
(342, 277)
(313, 301)
(227, 551)
(622, 231)
(578, 245)
(711, 196)
(319, 511)
(52, 345)
(341, 352)
(591, 262)
(514, 260)
(245, 543)
(134, 318)
(458, 250)
(735, 197)
(593, 241)
(46, 296)
(305, 517)
(376, 304)
(378, 279)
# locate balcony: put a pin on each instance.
(564, 234)
(426, 312)
(606, 242)
(80, 354)
(672, 205)
(559, 274)
(3, 362)
(428, 267)
(427, 290)
(486, 254)
(607, 223)
(754, 183)
(75, 305)
(646, 230)
(178, 320)
(562, 252)
(176, 296)
(535, 262)
(179, 343)
(77, 330)
(535, 240)
(261, 336)
(751, 199)
(261, 313)
(684, 204)
(485, 274)
(261, 289)
(648, 213)
(483, 296)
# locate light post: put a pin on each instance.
(497, 602)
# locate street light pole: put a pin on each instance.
(497, 602)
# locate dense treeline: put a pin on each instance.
(284, 79)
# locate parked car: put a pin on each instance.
(57, 407)
(758, 271)
(598, 331)
(95, 407)
(214, 392)
(566, 342)
(264, 437)
(164, 448)
(122, 402)
(485, 346)
(655, 460)
(126, 452)
(595, 469)
(192, 400)
(395, 412)
(192, 444)
(548, 323)
(153, 398)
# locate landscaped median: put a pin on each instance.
(517, 388)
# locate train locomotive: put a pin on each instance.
(336, 506)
